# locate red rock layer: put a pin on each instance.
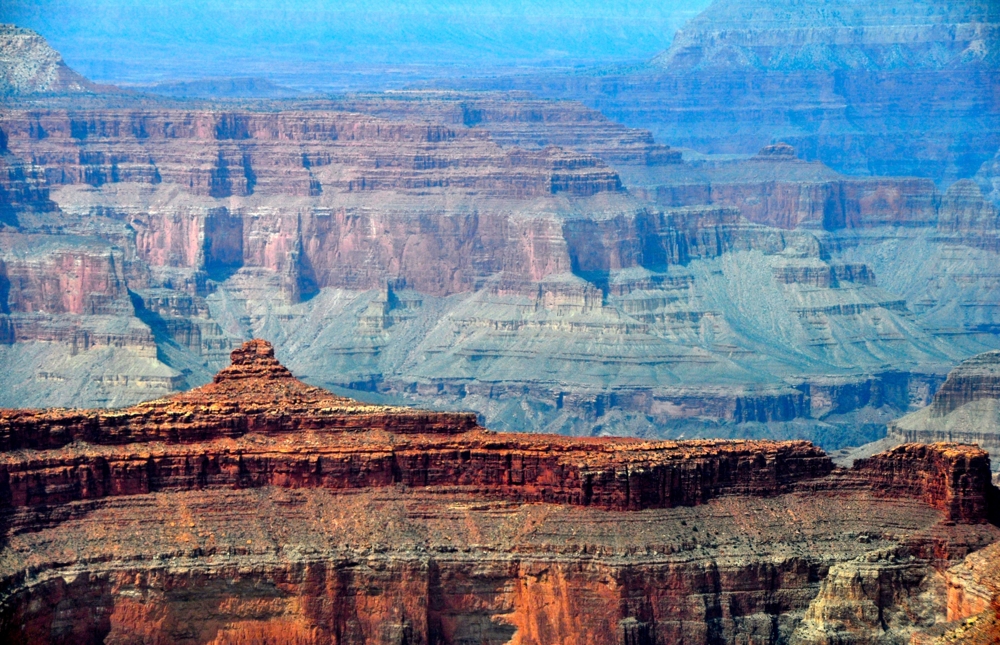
(289, 515)
(251, 396)
(955, 478)
(830, 205)
(242, 153)
(337, 443)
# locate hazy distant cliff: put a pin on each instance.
(886, 88)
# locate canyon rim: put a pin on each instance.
(475, 322)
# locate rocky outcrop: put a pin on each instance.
(966, 408)
(28, 65)
(260, 508)
(953, 478)
(975, 379)
(257, 395)
(973, 602)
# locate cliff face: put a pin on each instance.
(966, 408)
(441, 248)
(260, 508)
(473, 251)
(867, 89)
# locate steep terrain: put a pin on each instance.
(28, 65)
(887, 88)
(965, 409)
(258, 508)
(474, 251)
(531, 260)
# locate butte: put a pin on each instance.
(259, 509)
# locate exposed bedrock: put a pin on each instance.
(867, 89)
(29, 65)
(439, 248)
(313, 528)
(221, 154)
(966, 408)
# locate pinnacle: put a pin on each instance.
(254, 359)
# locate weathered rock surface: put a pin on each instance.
(527, 259)
(965, 409)
(263, 509)
(28, 65)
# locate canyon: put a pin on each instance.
(730, 316)
(894, 88)
(475, 251)
(390, 525)
(964, 409)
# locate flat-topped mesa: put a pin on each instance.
(954, 478)
(778, 152)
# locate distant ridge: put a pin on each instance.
(792, 35)
(235, 88)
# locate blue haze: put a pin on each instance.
(322, 44)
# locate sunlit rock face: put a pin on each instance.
(259, 508)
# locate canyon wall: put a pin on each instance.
(529, 259)
(966, 408)
(867, 89)
(315, 528)
(505, 255)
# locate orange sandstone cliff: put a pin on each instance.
(260, 509)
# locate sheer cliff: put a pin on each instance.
(460, 249)
(258, 508)
(966, 408)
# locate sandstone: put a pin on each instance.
(258, 507)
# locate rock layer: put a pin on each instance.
(258, 507)
(966, 408)
(866, 88)
(294, 516)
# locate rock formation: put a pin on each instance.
(258, 508)
(28, 65)
(473, 251)
(179, 232)
(865, 88)
(965, 409)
